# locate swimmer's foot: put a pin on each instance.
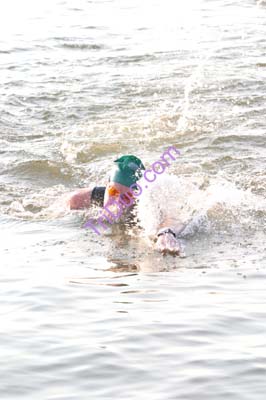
(167, 243)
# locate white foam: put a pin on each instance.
(175, 200)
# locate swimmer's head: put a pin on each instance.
(127, 171)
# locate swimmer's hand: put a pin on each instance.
(168, 244)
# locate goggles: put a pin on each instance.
(113, 191)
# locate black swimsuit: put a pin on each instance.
(97, 195)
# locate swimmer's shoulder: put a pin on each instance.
(84, 198)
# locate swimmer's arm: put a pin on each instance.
(80, 199)
(167, 241)
(171, 223)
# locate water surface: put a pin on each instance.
(102, 317)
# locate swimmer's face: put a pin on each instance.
(114, 191)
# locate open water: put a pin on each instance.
(88, 317)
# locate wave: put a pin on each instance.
(43, 172)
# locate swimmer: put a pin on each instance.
(119, 191)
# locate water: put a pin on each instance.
(103, 317)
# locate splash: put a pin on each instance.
(216, 207)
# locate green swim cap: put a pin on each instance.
(127, 170)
